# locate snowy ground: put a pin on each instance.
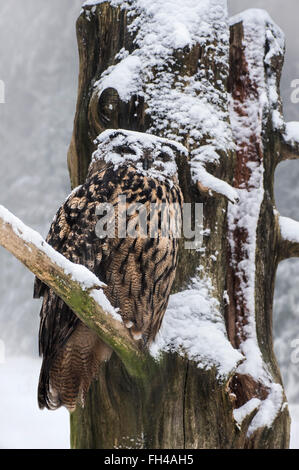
(24, 426)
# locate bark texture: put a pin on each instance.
(182, 405)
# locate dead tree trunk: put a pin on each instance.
(136, 75)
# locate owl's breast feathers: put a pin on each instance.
(138, 271)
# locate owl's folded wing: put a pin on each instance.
(60, 228)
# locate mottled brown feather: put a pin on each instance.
(139, 273)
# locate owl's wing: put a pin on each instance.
(56, 237)
(67, 218)
(57, 320)
(72, 233)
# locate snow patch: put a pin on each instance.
(245, 215)
(213, 183)
(259, 17)
(260, 29)
(241, 413)
(289, 229)
(268, 409)
(292, 132)
(123, 77)
(101, 299)
(193, 326)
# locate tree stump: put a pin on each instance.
(213, 87)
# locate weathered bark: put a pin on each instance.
(288, 249)
(259, 151)
(288, 150)
(264, 149)
(183, 406)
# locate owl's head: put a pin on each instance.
(150, 155)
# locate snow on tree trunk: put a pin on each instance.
(178, 70)
(257, 50)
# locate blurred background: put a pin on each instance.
(39, 66)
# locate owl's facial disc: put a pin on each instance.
(151, 155)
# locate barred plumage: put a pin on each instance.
(139, 271)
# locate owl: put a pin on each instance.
(134, 253)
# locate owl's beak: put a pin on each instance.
(146, 164)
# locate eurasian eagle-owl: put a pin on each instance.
(138, 271)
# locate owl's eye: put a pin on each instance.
(123, 149)
(164, 157)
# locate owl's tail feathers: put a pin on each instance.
(65, 380)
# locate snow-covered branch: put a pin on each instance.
(82, 291)
(290, 141)
(209, 184)
(289, 230)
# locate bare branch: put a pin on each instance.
(289, 238)
(79, 288)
